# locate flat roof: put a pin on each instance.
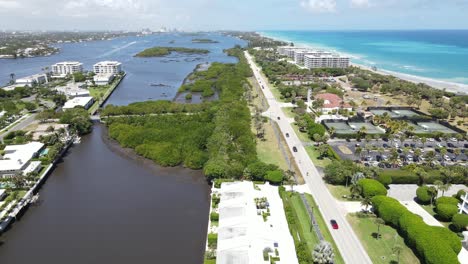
(77, 101)
(16, 156)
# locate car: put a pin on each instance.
(381, 165)
(357, 145)
(451, 145)
(439, 145)
(450, 150)
(447, 158)
(466, 145)
(406, 145)
(453, 139)
(413, 145)
(430, 140)
(279, 118)
(294, 149)
(287, 134)
(334, 224)
(385, 145)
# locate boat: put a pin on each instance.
(159, 84)
(34, 199)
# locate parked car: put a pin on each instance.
(430, 139)
(334, 224)
(451, 145)
(385, 145)
(453, 139)
(294, 149)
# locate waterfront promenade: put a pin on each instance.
(345, 238)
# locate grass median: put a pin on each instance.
(380, 250)
(300, 225)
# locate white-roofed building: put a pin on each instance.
(17, 158)
(103, 78)
(85, 102)
(62, 69)
(106, 67)
(243, 235)
(31, 80)
(72, 90)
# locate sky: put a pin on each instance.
(232, 14)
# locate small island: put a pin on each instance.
(164, 51)
(203, 40)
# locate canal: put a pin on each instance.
(103, 204)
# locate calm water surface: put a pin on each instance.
(101, 204)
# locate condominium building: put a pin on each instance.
(67, 67)
(325, 61)
(289, 51)
(463, 206)
(105, 67)
(300, 54)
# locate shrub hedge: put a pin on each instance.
(434, 245)
(460, 222)
(447, 200)
(446, 211)
(385, 179)
(371, 188)
(423, 195)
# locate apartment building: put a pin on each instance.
(107, 67)
(325, 61)
(62, 69)
(300, 54)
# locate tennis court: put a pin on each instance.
(405, 112)
(431, 127)
(340, 127)
(381, 112)
(370, 129)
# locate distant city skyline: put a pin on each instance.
(232, 15)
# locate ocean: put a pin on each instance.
(435, 54)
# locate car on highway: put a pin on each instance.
(279, 118)
(334, 224)
(287, 134)
(294, 149)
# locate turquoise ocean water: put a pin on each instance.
(436, 54)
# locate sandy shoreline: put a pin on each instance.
(458, 88)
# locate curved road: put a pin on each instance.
(345, 238)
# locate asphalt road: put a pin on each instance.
(345, 238)
(24, 123)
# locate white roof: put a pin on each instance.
(106, 63)
(243, 234)
(68, 63)
(32, 167)
(103, 77)
(17, 156)
(77, 101)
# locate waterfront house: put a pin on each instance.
(17, 159)
(85, 102)
(103, 78)
(31, 80)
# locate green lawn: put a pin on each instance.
(302, 136)
(338, 191)
(380, 251)
(288, 112)
(301, 228)
(313, 154)
(268, 150)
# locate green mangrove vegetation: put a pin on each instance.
(214, 136)
(203, 40)
(164, 51)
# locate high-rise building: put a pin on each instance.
(325, 61)
(105, 67)
(66, 67)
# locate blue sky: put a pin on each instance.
(233, 14)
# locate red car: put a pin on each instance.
(334, 224)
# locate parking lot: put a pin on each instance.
(378, 152)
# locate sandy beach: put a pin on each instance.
(458, 88)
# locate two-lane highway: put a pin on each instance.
(345, 238)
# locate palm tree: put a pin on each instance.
(12, 78)
(421, 173)
(445, 187)
(323, 253)
(366, 202)
(457, 152)
(291, 178)
(397, 249)
(355, 190)
(378, 222)
(433, 192)
(331, 131)
(358, 151)
(438, 186)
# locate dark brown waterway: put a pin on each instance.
(104, 205)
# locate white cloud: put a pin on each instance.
(360, 3)
(7, 4)
(320, 6)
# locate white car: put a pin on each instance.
(447, 158)
(453, 139)
(430, 139)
